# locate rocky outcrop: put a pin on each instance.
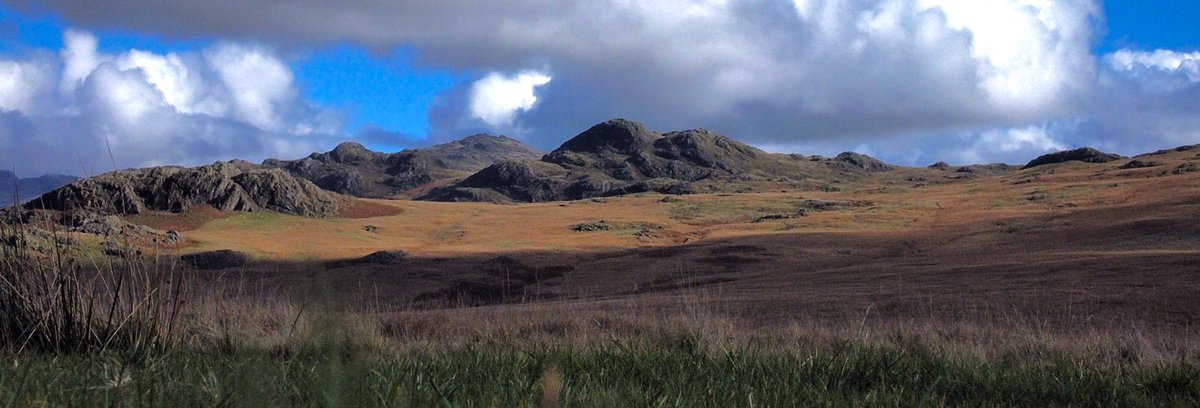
(621, 156)
(231, 186)
(1083, 154)
(862, 162)
(352, 169)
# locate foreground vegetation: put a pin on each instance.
(617, 375)
(133, 332)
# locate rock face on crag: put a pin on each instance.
(232, 186)
(1083, 154)
(352, 169)
(621, 157)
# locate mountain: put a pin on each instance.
(229, 186)
(28, 188)
(352, 169)
(621, 156)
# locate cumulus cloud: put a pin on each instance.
(1163, 60)
(79, 58)
(63, 112)
(496, 99)
(22, 84)
(945, 75)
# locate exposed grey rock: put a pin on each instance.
(862, 161)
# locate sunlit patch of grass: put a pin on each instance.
(259, 221)
(725, 211)
(509, 245)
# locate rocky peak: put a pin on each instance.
(351, 153)
(481, 138)
(616, 135)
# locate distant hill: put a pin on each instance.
(228, 186)
(621, 156)
(352, 169)
(28, 188)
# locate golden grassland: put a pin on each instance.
(448, 229)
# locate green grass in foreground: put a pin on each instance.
(606, 376)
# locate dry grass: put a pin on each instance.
(53, 302)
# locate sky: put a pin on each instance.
(87, 86)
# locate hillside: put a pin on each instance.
(28, 188)
(354, 170)
(622, 157)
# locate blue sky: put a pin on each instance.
(999, 83)
(380, 90)
(1153, 24)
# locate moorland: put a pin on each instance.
(626, 267)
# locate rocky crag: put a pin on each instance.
(622, 156)
(352, 169)
(229, 186)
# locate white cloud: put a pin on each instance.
(1010, 140)
(1029, 52)
(497, 99)
(259, 83)
(21, 84)
(181, 85)
(228, 101)
(1163, 61)
(1013, 144)
(123, 97)
(79, 58)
